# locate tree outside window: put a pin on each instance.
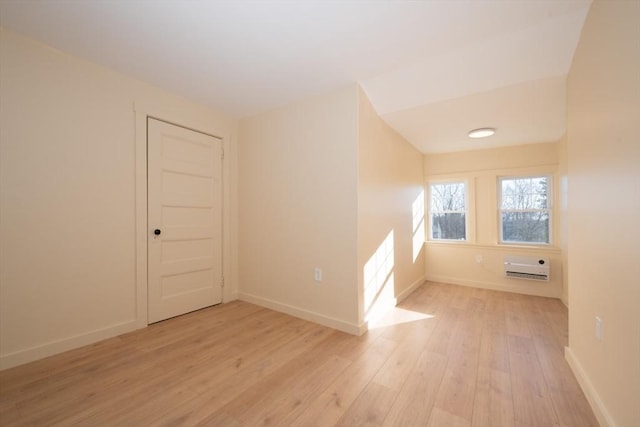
(448, 211)
(525, 209)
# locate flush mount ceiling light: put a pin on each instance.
(481, 133)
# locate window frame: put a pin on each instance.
(466, 211)
(549, 210)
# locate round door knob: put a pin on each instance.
(157, 231)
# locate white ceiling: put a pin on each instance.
(433, 69)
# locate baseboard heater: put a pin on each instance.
(530, 268)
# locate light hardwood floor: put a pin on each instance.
(447, 356)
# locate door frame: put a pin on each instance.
(177, 118)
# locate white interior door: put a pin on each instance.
(184, 220)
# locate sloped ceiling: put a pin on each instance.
(433, 69)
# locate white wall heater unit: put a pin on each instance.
(532, 268)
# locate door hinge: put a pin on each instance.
(222, 282)
(222, 153)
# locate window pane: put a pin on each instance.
(530, 227)
(448, 197)
(450, 226)
(524, 193)
(524, 209)
(448, 210)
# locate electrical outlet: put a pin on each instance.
(479, 259)
(598, 328)
(317, 274)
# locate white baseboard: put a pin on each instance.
(321, 319)
(231, 297)
(49, 349)
(404, 294)
(599, 410)
(379, 308)
(541, 292)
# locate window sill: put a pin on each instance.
(528, 246)
(497, 246)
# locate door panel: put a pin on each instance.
(186, 249)
(185, 204)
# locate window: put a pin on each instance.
(525, 209)
(448, 211)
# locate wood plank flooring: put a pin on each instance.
(447, 356)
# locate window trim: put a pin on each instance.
(466, 212)
(549, 210)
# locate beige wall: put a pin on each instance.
(562, 214)
(390, 192)
(298, 209)
(455, 262)
(322, 184)
(604, 210)
(68, 262)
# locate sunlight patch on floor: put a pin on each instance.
(396, 316)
